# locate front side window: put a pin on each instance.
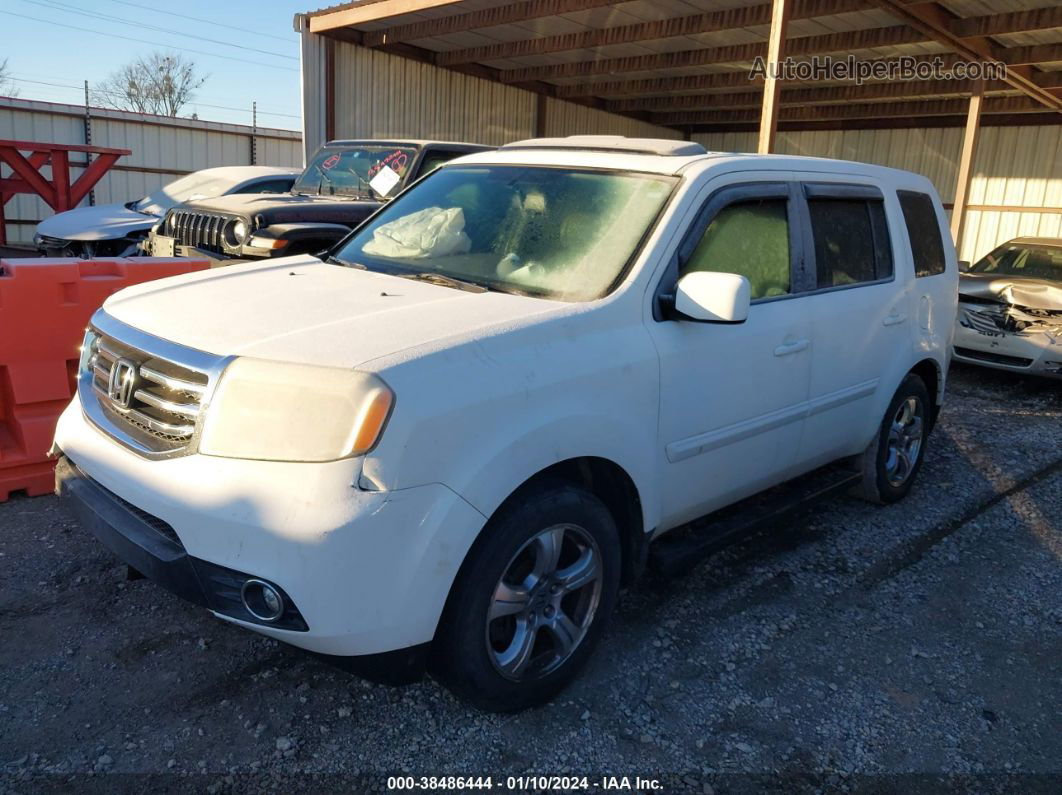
(351, 172)
(191, 187)
(561, 233)
(851, 241)
(927, 249)
(269, 186)
(750, 238)
(1031, 261)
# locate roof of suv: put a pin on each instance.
(650, 155)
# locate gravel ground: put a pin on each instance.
(906, 648)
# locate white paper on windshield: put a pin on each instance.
(385, 180)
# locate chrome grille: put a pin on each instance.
(200, 230)
(155, 401)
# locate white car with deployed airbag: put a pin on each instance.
(450, 441)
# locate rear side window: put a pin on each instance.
(851, 241)
(923, 231)
(750, 238)
(434, 159)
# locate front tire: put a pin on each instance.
(891, 462)
(531, 600)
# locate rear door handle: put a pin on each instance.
(894, 319)
(791, 347)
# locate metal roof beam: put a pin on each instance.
(727, 19)
(350, 14)
(804, 45)
(505, 14)
(935, 21)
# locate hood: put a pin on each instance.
(1018, 291)
(300, 309)
(103, 222)
(286, 207)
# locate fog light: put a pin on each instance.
(262, 600)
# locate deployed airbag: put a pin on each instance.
(431, 232)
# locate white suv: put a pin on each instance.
(451, 442)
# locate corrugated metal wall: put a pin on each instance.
(1019, 167)
(382, 95)
(312, 52)
(566, 118)
(379, 95)
(164, 148)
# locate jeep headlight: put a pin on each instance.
(275, 411)
(171, 223)
(239, 231)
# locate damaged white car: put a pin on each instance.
(1010, 308)
(116, 230)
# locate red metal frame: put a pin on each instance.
(57, 191)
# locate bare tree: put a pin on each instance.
(7, 82)
(161, 83)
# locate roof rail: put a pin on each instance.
(614, 143)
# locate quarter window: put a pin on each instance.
(750, 238)
(923, 231)
(851, 241)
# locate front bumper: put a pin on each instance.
(151, 547)
(368, 571)
(1032, 353)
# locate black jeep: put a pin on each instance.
(344, 183)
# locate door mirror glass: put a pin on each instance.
(711, 297)
(964, 265)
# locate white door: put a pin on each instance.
(860, 318)
(733, 396)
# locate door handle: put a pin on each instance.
(791, 347)
(894, 319)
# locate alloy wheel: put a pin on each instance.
(904, 443)
(544, 603)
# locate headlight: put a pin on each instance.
(239, 231)
(275, 411)
(171, 222)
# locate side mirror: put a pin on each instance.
(709, 297)
(964, 265)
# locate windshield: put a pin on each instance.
(365, 171)
(556, 232)
(1030, 261)
(190, 188)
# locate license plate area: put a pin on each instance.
(163, 246)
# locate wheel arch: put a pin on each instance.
(932, 375)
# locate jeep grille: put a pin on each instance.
(199, 230)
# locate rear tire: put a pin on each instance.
(893, 459)
(531, 600)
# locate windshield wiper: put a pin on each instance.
(332, 259)
(444, 281)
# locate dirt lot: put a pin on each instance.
(868, 643)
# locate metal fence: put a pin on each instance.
(164, 148)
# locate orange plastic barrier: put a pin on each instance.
(45, 305)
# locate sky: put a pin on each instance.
(53, 46)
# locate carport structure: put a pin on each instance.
(683, 68)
